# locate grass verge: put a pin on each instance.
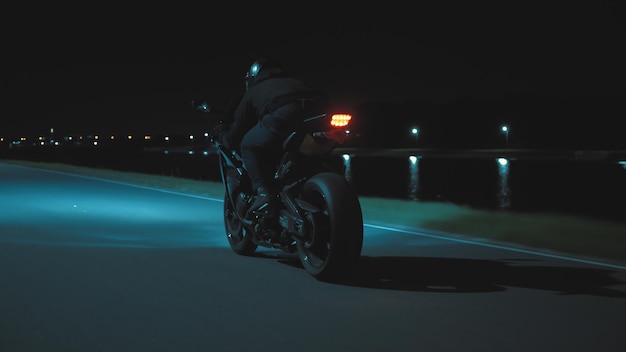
(563, 234)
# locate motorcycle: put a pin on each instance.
(314, 210)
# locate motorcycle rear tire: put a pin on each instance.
(333, 248)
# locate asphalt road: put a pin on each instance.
(93, 265)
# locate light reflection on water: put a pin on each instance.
(504, 192)
(414, 176)
(526, 187)
(504, 199)
(347, 167)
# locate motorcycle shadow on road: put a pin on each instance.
(474, 275)
(458, 275)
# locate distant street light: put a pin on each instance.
(505, 130)
(416, 132)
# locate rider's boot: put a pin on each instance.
(260, 200)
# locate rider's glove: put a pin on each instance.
(218, 131)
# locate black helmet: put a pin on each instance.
(257, 66)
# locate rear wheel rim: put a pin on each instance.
(317, 246)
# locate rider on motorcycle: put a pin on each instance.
(271, 108)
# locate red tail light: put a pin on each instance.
(340, 120)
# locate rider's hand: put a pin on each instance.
(218, 131)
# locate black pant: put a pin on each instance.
(261, 146)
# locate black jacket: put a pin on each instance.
(272, 88)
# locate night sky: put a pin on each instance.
(115, 68)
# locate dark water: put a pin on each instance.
(588, 188)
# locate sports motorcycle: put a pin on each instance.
(313, 211)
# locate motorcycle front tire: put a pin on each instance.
(238, 238)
